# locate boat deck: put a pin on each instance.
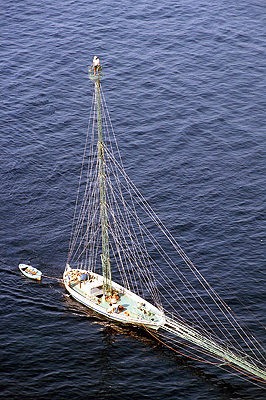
(128, 305)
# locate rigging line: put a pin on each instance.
(89, 173)
(114, 136)
(132, 252)
(179, 352)
(116, 237)
(105, 108)
(125, 261)
(126, 218)
(133, 284)
(79, 232)
(85, 206)
(92, 152)
(133, 235)
(119, 227)
(199, 324)
(186, 259)
(142, 279)
(81, 172)
(95, 255)
(239, 300)
(192, 287)
(89, 225)
(193, 315)
(88, 243)
(251, 335)
(234, 358)
(122, 217)
(119, 263)
(128, 232)
(124, 275)
(186, 310)
(212, 355)
(134, 287)
(224, 284)
(192, 349)
(148, 257)
(115, 174)
(190, 263)
(90, 229)
(84, 209)
(113, 132)
(84, 249)
(211, 346)
(93, 214)
(95, 228)
(193, 266)
(180, 320)
(79, 222)
(122, 163)
(230, 313)
(81, 242)
(189, 314)
(226, 347)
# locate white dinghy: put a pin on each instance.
(30, 272)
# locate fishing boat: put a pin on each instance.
(98, 291)
(120, 268)
(30, 272)
(115, 302)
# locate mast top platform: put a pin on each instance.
(94, 77)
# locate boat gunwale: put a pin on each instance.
(36, 276)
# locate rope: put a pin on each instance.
(52, 277)
(205, 361)
(149, 264)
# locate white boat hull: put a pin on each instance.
(132, 313)
(30, 272)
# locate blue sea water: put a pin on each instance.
(185, 84)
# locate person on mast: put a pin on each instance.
(96, 64)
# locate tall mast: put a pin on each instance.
(105, 256)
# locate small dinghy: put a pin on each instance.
(30, 272)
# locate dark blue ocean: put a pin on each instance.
(185, 83)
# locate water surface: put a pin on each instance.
(185, 85)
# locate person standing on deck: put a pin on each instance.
(96, 64)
